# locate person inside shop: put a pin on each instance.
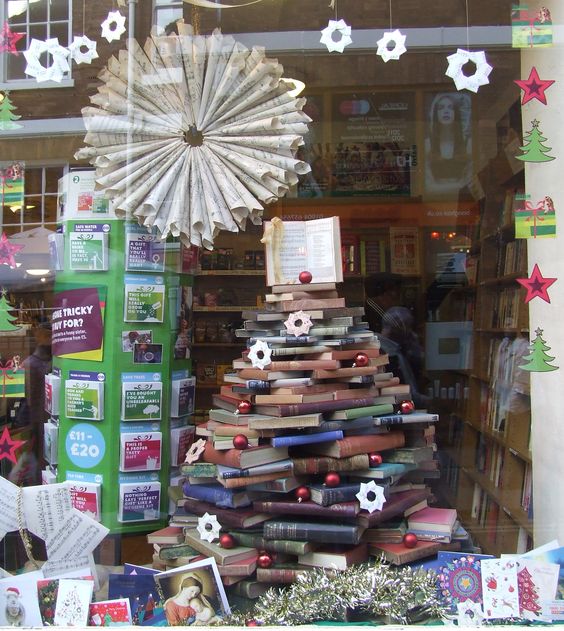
(31, 412)
(448, 146)
(406, 356)
(382, 291)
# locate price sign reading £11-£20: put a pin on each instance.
(85, 445)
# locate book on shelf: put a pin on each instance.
(286, 422)
(244, 458)
(337, 558)
(313, 245)
(256, 540)
(281, 574)
(356, 412)
(228, 517)
(311, 287)
(223, 556)
(438, 520)
(217, 494)
(355, 445)
(279, 485)
(312, 465)
(406, 419)
(398, 554)
(279, 466)
(233, 483)
(305, 439)
(326, 495)
(295, 409)
(222, 443)
(169, 535)
(389, 532)
(410, 455)
(242, 567)
(180, 550)
(342, 510)
(394, 507)
(250, 589)
(322, 532)
(300, 295)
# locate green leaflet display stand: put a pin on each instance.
(90, 287)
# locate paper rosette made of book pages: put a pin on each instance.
(195, 136)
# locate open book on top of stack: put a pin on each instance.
(317, 404)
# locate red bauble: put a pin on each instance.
(332, 479)
(302, 494)
(252, 623)
(240, 441)
(244, 407)
(361, 360)
(407, 407)
(305, 277)
(264, 560)
(227, 541)
(374, 460)
(409, 540)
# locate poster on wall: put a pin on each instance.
(78, 323)
(448, 142)
(404, 251)
(374, 150)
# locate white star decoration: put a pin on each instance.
(80, 56)
(58, 67)
(367, 489)
(195, 451)
(113, 27)
(327, 36)
(260, 354)
(298, 323)
(398, 39)
(208, 534)
(456, 62)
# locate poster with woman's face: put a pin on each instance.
(193, 594)
(448, 142)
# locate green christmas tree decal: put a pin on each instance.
(7, 117)
(534, 150)
(6, 319)
(538, 360)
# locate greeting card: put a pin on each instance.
(500, 588)
(18, 601)
(84, 399)
(140, 451)
(110, 613)
(139, 501)
(73, 602)
(538, 583)
(141, 400)
(88, 251)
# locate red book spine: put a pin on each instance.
(324, 464)
(353, 445)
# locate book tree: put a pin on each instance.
(313, 451)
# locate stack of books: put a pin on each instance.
(307, 421)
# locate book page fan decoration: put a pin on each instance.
(336, 36)
(208, 527)
(371, 496)
(58, 54)
(260, 354)
(83, 50)
(212, 135)
(472, 82)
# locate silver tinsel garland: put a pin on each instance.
(375, 590)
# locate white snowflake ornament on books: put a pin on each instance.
(195, 451)
(371, 496)
(336, 26)
(59, 64)
(455, 70)
(83, 50)
(260, 354)
(208, 533)
(113, 27)
(397, 38)
(298, 323)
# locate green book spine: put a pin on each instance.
(250, 540)
(173, 552)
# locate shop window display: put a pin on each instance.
(279, 312)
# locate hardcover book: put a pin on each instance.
(322, 532)
(338, 558)
(353, 445)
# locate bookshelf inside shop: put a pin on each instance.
(485, 450)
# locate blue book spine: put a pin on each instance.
(406, 419)
(305, 439)
(210, 493)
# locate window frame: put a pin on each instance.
(26, 82)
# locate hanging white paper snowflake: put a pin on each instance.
(298, 323)
(83, 50)
(260, 354)
(398, 39)
(211, 533)
(327, 36)
(195, 451)
(59, 64)
(470, 614)
(368, 489)
(455, 71)
(113, 27)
